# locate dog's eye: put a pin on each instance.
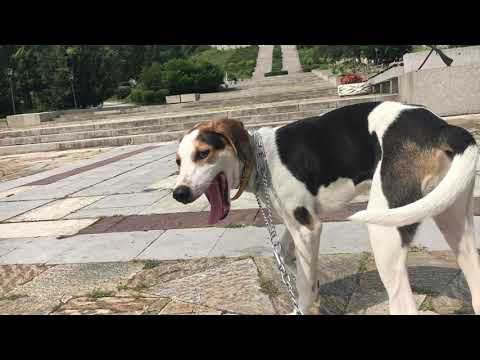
(178, 162)
(203, 154)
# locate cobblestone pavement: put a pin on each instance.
(248, 285)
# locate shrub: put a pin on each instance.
(350, 79)
(238, 63)
(277, 59)
(181, 76)
(122, 92)
(143, 96)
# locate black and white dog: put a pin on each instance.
(417, 166)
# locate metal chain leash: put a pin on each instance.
(262, 169)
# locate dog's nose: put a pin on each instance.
(183, 194)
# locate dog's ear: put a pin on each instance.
(235, 134)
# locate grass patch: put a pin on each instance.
(122, 287)
(268, 287)
(244, 257)
(427, 305)
(238, 63)
(150, 264)
(363, 262)
(98, 293)
(277, 59)
(415, 248)
(311, 60)
(423, 291)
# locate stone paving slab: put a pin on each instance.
(43, 228)
(165, 271)
(233, 287)
(48, 290)
(344, 237)
(183, 244)
(250, 241)
(11, 209)
(56, 210)
(169, 205)
(183, 308)
(5, 195)
(79, 170)
(120, 204)
(106, 212)
(87, 305)
(105, 247)
(4, 186)
(34, 250)
(12, 276)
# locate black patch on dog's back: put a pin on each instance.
(319, 150)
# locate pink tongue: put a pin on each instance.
(214, 196)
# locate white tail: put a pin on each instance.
(460, 175)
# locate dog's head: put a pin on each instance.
(210, 158)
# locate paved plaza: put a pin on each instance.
(103, 234)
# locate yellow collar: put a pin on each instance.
(247, 172)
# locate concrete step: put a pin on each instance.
(111, 141)
(168, 118)
(163, 129)
(246, 118)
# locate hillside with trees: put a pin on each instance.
(54, 77)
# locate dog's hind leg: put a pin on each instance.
(390, 253)
(457, 227)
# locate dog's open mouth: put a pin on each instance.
(218, 194)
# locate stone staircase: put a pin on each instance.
(159, 128)
(267, 102)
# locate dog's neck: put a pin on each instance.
(252, 182)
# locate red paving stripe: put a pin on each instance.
(190, 220)
(55, 178)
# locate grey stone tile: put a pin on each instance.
(33, 250)
(56, 210)
(106, 247)
(128, 200)
(97, 213)
(344, 237)
(183, 244)
(251, 240)
(43, 228)
(11, 209)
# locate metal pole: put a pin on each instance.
(10, 74)
(73, 91)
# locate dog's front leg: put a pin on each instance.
(288, 251)
(307, 243)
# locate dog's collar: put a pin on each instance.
(247, 172)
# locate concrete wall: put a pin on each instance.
(446, 91)
(461, 57)
(387, 75)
